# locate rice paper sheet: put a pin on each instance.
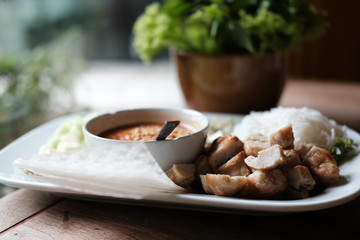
(130, 171)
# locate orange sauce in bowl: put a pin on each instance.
(144, 132)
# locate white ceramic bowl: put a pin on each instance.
(167, 152)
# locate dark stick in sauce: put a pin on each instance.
(166, 130)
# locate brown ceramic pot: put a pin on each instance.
(230, 83)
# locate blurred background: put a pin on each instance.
(105, 33)
(46, 46)
(335, 56)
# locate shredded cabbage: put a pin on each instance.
(68, 136)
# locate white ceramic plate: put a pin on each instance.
(334, 196)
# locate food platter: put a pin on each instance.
(30, 143)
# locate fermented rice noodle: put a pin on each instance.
(309, 125)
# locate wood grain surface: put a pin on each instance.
(74, 219)
(22, 205)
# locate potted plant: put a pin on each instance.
(228, 53)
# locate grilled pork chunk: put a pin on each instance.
(265, 184)
(257, 137)
(235, 166)
(323, 165)
(300, 182)
(222, 185)
(202, 165)
(255, 143)
(284, 137)
(182, 174)
(267, 159)
(292, 156)
(299, 177)
(303, 149)
(223, 149)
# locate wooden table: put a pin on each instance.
(36, 215)
(336, 99)
(27, 214)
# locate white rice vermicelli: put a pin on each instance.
(309, 125)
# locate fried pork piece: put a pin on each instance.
(267, 159)
(182, 174)
(303, 149)
(202, 168)
(222, 185)
(223, 149)
(202, 165)
(284, 137)
(265, 184)
(299, 177)
(255, 143)
(323, 165)
(257, 137)
(293, 157)
(235, 166)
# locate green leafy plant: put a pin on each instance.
(31, 76)
(226, 26)
(341, 148)
(36, 82)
